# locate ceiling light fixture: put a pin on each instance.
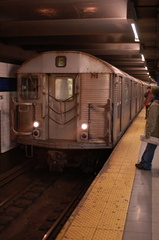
(143, 58)
(90, 10)
(135, 32)
(49, 12)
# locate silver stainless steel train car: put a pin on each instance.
(71, 100)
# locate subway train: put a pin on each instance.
(70, 103)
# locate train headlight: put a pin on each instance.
(36, 124)
(84, 135)
(84, 126)
(36, 133)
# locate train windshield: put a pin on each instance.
(63, 88)
(29, 87)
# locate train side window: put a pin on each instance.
(63, 88)
(29, 87)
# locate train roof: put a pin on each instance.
(77, 62)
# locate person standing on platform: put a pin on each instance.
(151, 130)
(147, 96)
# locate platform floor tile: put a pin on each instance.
(102, 212)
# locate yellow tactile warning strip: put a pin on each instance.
(101, 214)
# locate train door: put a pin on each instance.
(62, 106)
(119, 105)
(136, 97)
(118, 108)
(0, 131)
(130, 89)
(126, 115)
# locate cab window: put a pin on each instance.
(63, 88)
(29, 87)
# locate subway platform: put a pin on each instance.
(122, 203)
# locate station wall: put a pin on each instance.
(8, 87)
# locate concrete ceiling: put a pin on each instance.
(99, 27)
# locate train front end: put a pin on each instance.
(61, 105)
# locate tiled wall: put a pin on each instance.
(6, 70)
(6, 143)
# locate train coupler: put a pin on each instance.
(56, 161)
(29, 151)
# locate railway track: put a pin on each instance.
(11, 179)
(16, 198)
(35, 205)
(62, 218)
(40, 208)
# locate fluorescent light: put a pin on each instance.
(135, 32)
(146, 68)
(143, 58)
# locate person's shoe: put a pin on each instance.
(139, 166)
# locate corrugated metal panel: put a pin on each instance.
(94, 91)
(97, 126)
(116, 100)
(25, 117)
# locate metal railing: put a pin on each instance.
(14, 104)
(63, 111)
